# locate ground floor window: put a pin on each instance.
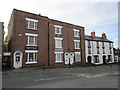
(31, 57)
(59, 57)
(96, 58)
(110, 58)
(77, 57)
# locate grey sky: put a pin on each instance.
(97, 15)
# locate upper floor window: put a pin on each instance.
(31, 39)
(76, 33)
(58, 29)
(31, 23)
(58, 42)
(98, 51)
(103, 45)
(89, 46)
(110, 45)
(97, 44)
(89, 50)
(77, 44)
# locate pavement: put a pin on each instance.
(34, 69)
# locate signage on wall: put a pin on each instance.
(31, 48)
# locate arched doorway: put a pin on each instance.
(104, 59)
(18, 59)
(89, 59)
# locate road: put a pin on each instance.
(82, 77)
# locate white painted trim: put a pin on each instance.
(76, 30)
(77, 52)
(32, 51)
(31, 34)
(77, 48)
(31, 45)
(31, 62)
(29, 19)
(58, 38)
(57, 26)
(58, 52)
(76, 40)
(58, 61)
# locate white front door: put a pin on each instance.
(66, 58)
(18, 59)
(71, 58)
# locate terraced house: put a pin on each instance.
(99, 50)
(36, 40)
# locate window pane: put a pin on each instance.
(58, 43)
(77, 57)
(35, 40)
(26, 57)
(31, 25)
(35, 56)
(58, 57)
(31, 57)
(76, 45)
(57, 30)
(27, 40)
(31, 40)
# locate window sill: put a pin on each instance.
(58, 61)
(31, 45)
(30, 62)
(58, 33)
(77, 48)
(76, 36)
(58, 48)
(32, 29)
(78, 61)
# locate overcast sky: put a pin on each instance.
(97, 15)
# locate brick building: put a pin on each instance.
(36, 40)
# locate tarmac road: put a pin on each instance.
(82, 77)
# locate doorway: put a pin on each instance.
(89, 59)
(18, 59)
(104, 59)
(69, 58)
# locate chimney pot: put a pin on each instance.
(104, 35)
(93, 34)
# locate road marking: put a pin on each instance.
(81, 75)
(53, 78)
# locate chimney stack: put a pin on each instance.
(104, 35)
(93, 34)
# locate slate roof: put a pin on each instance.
(97, 39)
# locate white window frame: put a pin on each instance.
(56, 46)
(31, 20)
(76, 31)
(60, 29)
(76, 41)
(58, 61)
(31, 34)
(27, 58)
(80, 56)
